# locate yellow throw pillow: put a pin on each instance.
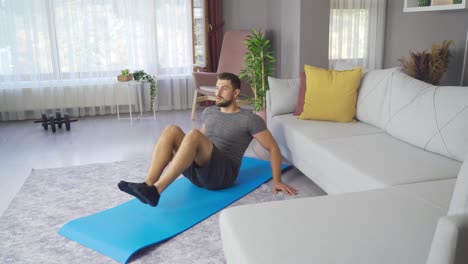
(330, 95)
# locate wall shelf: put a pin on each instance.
(436, 5)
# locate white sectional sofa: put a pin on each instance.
(390, 178)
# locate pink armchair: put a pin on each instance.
(231, 60)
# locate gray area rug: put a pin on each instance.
(52, 197)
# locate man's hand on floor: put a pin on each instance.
(281, 187)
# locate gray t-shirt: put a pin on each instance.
(231, 132)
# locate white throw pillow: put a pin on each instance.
(434, 118)
(283, 94)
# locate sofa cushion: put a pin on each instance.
(434, 118)
(372, 102)
(284, 93)
(316, 129)
(330, 95)
(349, 157)
(381, 226)
(431, 117)
(386, 161)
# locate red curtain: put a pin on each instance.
(215, 32)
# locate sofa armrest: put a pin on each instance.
(450, 241)
(205, 79)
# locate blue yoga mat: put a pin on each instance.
(121, 231)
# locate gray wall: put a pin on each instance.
(245, 14)
(315, 21)
(299, 29)
(418, 30)
(284, 24)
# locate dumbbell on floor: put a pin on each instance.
(56, 121)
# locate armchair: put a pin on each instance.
(231, 60)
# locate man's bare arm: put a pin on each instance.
(268, 142)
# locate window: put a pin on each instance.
(199, 33)
(86, 48)
(23, 50)
(350, 29)
(357, 30)
(76, 39)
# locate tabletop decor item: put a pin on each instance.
(142, 76)
(125, 76)
(428, 66)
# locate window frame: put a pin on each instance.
(207, 26)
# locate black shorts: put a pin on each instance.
(219, 173)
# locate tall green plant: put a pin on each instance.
(144, 77)
(259, 64)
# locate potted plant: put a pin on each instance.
(142, 76)
(428, 66)
(125, 76)
(259, 64)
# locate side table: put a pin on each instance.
(139, 106)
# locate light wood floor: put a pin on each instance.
(100, 139)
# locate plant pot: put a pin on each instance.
(124, 78)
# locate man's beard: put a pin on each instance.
(224, 103)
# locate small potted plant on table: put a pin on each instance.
(142, 76)
(125, 76)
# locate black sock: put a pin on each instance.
(125, 187)
(146, 194)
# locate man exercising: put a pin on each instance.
(211, 157)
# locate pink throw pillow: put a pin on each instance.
(300, 99)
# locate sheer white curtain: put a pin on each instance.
(66, 54)
(357, 30)
(174, 45)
